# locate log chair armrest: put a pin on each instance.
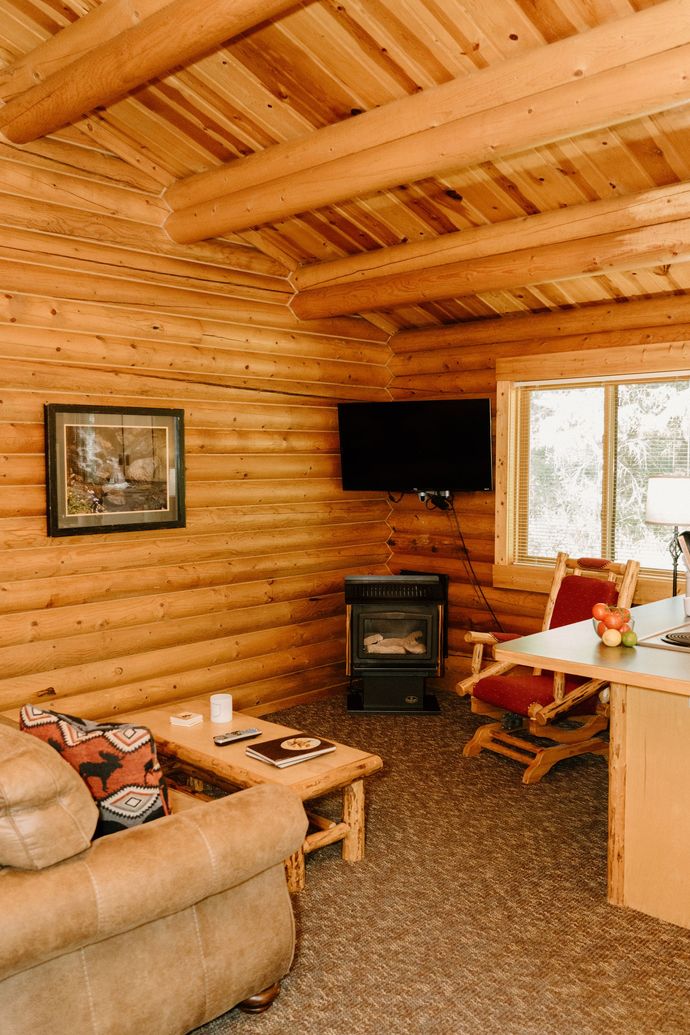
(479, 641)
(132, 877)
(543, 714)
(490, 639)
(480, 637)
(466, 686)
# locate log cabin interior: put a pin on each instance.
(279, 207)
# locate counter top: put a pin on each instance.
(577, 650)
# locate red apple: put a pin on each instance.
(613, 620)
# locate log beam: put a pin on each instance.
(94, 28)
(619, 234)
(646, 208)
(602, 77)
(639, 315)
(133, 57)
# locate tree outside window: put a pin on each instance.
(584, 457)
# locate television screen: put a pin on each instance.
(438, 444)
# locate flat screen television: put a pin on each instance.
(430, 445)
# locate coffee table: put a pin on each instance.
(191, 749)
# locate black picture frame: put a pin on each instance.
(113, 469)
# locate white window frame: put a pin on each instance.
(626, 363)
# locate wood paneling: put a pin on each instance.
(97, 308)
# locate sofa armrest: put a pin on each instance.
(142, 874)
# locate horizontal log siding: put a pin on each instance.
(461, 360)
(98, 306)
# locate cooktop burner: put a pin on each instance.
(677, 638)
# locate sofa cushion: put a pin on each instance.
(46, 811)
(117, 761)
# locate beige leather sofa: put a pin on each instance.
(157, 929)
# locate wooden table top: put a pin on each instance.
(194, 745)
(577, 650)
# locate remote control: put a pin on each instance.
(221, 739)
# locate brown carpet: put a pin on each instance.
(480, 906)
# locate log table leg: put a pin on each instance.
(350, 831)
(353, 816)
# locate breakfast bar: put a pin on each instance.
(649, 752)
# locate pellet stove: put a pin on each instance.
(395, 640)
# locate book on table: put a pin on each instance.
(290, 749)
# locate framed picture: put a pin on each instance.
(111, 469)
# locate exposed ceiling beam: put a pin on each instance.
(98, 26)
(644, 229)
(632, 316)
(609, 253)
(173, 35)
(608, 75)
(620, 212)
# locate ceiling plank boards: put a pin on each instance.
(636, 65)
(309, 95)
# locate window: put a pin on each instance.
(574, 451)
(584, 455)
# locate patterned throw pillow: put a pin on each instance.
(117, 761)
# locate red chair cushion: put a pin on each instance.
(577, 596)
(517, 692)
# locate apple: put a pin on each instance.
(612, 638)
(629, 638)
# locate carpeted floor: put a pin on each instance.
(480, 908)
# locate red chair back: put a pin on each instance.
(577, 596)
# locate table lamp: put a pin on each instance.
(668, 503)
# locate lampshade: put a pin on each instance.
(668, 501)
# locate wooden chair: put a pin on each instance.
(561, 716)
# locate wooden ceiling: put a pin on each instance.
(485, 157)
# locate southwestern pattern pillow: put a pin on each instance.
(117, 761)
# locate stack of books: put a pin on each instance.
(186, 719)
(290, 749)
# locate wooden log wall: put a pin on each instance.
(438, 363)
(458, 360)
(98, 306)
